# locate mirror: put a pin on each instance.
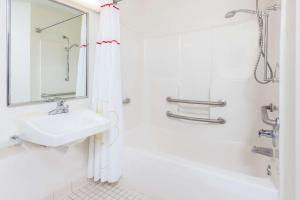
(47, 52)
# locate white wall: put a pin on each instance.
(192, 52)
(132, 52)
(164, 17)
(32, 172)
(208, 64)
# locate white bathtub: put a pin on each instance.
(218, 171)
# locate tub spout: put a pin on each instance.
(263, 151)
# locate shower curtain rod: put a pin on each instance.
(39, 30)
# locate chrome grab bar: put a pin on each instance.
(214, 121)
(265, 117)
(126, 101)
(220, 103)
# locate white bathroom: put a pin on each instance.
(149, 100)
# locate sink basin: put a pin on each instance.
(62, 129)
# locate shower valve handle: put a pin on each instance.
(266, 133)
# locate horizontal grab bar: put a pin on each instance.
(220, 103)
(214, 121)
(126, 101)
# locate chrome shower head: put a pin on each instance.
(232, 13)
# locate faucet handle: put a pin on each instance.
(59, 101)
(266, 133)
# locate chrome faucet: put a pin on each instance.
(60, 108)
(274, 133)
(263, 151)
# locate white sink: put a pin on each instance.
(62, 129)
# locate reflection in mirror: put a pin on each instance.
(48, 51)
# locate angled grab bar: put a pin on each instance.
(220, 103)
(213, 121)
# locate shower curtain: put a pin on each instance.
(105, 148)
(81, 69)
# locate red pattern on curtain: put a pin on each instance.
(109, 5)
(108, 42)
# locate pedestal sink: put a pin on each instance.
(62, 129)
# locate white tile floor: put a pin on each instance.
(103, 191)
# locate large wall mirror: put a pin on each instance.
(47, 52)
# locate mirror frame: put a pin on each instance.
(8, 70)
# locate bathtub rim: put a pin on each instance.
(263, 182)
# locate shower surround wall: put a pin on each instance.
(210, 64)
(192, 52)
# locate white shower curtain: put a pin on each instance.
(81, 71)
(105, 148)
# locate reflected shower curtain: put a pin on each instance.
(105, 148)
(81, 70)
